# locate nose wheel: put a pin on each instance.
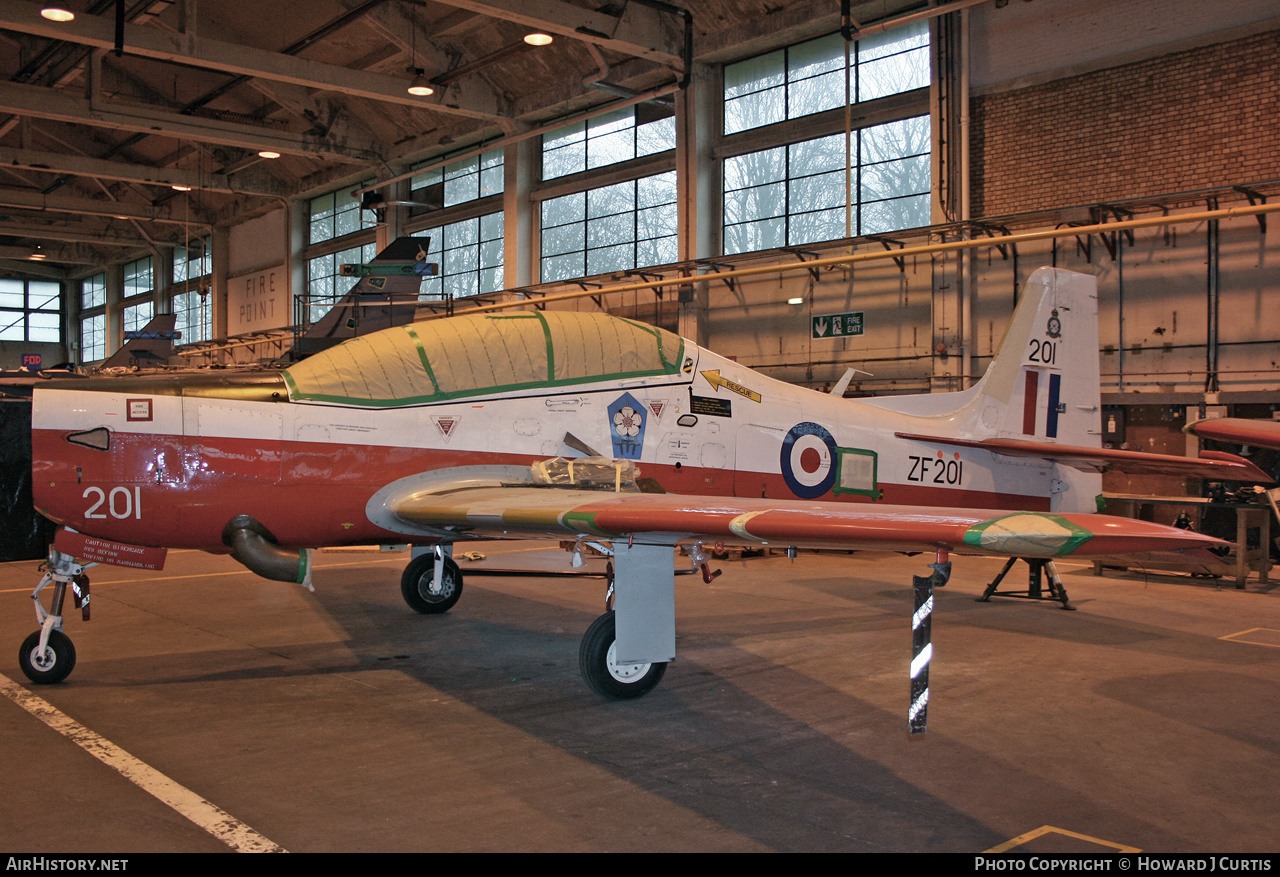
(48, 664)
(47, 656)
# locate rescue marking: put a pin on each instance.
(716, 381)
(210, 817)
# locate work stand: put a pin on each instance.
(1043, 583)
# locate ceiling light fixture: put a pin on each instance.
(420, 86)
(56, 13)
(178, 188)
(795, 301)
(37, 256)
(538, 38)
(268, 153)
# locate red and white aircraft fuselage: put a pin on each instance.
(438, 432)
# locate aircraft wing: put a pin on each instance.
(1259, 433)
(669, 518)
(1212, 465)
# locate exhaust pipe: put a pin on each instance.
(254, 546)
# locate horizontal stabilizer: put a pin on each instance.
(1210, 465)
(1259, 433)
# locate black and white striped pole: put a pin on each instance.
(921, 640)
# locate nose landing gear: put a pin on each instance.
(48, 656)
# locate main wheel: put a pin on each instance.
(597, 658)
(415, 585)
(54, 665)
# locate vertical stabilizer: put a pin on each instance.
(1043, 384)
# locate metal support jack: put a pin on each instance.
(1042, 573)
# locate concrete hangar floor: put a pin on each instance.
(343, 721)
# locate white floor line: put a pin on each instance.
(210, 817)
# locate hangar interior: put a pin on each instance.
(220, 162)
(215, 168)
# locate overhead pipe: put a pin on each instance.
(876, 255)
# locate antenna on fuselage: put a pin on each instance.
(843, 383)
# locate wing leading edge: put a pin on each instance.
(669, 518)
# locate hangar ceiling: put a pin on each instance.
(101, 116)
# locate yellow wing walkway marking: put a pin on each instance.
(210, 817)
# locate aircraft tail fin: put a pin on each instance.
(385, 295)
(148, 347)
(1044, 383)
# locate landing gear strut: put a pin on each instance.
(644, 589)
(48, 656)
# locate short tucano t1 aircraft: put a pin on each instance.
(584, 426)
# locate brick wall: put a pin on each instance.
(1190, 120)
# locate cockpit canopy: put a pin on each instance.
(483, 354)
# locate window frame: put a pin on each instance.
(30, 313)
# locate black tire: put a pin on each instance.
(606, 678)
(57, 662)
(415, 585)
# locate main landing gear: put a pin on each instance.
(48, 656)
(598, 658)
(643, 623)
(427, 590)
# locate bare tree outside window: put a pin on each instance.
(795, 194)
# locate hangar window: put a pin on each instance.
(784, 152)
(795, 194)
(30, 310)
(631, 132)
(93, 327)
(134, 317)
(338, 214)
(470, 254)
(138, 278)
(459, 182)
(809, 77)
(93, 338)
(191, 304)
(138, 307)
(194, 312)
(192, 262)
(612, 228)
(93, 292)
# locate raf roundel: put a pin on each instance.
(808, 460)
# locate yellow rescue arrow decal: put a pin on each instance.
(714, 379)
